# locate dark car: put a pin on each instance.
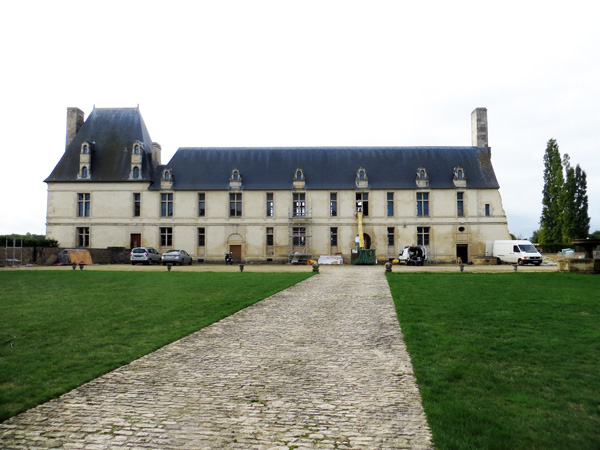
(180, 257)
(145, 255)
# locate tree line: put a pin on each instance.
(565, 200)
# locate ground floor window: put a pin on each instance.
(333, 233)
(299, 236)
(390, 236)
(422, 235)
(166, 236)
(269, 236)
(83, 236)
(201, 237)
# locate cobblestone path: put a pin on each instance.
(320, 365)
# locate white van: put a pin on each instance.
(516, 252)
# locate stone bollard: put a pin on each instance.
(388, 266)
(462, 267)
(515, 266)
(169, 267)
(315, 267)
(74, 266)
(241, 267)
(81, 266)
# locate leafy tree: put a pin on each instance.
(553, 198)
(595, 234)
(569, 206)
(581, 225)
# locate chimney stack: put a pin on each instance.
(156, 151)
(74, 123)
(479, 128)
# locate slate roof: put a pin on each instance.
(113, 132)
(328, 168)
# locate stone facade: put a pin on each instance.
(274, 221)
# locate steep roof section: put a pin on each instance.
(112, 131)
(329, 167)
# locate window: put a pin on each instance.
(363, 198)
(460, 212)
(333, 233)
(84, 172)
(85, 149)
(361, 175)
(166, 205)
(83, 205)
(299, 175)
(269, 236)
(487, 209)
(422, 203)
(136, 149)
(167, 175)
(236, 176)
(333, 204)
(136, 172)
(270, 209)
(299, 205)
(390, 236)
(299, 236)
(137, 204)
(422, 235)
(390, 204)
(235, 205)
(201, 237)
(201, 205)
(166, 236)
(459, 174)
(422, 174)
(83, 237)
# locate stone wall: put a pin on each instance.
(49, 256)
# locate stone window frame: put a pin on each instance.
(137, 204)
(167, 204)
(423, 236)
(422, 177)
(84, 204)
(361, 179)
(166, 236)
(422, 203)
(201, 204)
(83, 237)
(235, 204)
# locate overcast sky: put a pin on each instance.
(310, 73)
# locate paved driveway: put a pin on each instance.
(319, 365)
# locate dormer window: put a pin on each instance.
(85, 161)
(362, 180)
(85, 148)
(299, 180)
(459, 178)
(422, 179)
(136, 172)
(136, 149)
(84, 172)
(235, 180)
(167, 178)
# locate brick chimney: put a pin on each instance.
(74, 123)
(479, 128)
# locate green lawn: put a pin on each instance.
(505, 361)
(59, 329)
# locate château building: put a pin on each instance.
(110, 189)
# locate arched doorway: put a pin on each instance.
(235, 246)
(367, 239)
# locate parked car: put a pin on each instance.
(180, 257)
(413, 255)
(145, 255)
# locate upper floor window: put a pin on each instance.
(460, 211)
(83, 205)
(270, 205)
(235, 176)
(137, 204)
(167, 175)
(136, 172)
(362, 203)
(390, 204)
(166, 205)
(201, 204)
(84, 172)
(299, 204)
(422, 179)
(136, 149)
(459, 177)
(299, 175)
(362, 181)
(235, 204)
(422, 204)
(487, 209)
(85, 148)
(333, 204)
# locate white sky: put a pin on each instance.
(280, 73)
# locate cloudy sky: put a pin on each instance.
(280, 73)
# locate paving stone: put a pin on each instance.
(320, 365)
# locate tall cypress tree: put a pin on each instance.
(568, 201)
(581, 226)
(551, 224)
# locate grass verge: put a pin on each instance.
(59, 329)
(505, 361)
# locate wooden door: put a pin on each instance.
(236, 253)
(136, 240)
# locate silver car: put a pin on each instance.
(180, 257)
(145, 255)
